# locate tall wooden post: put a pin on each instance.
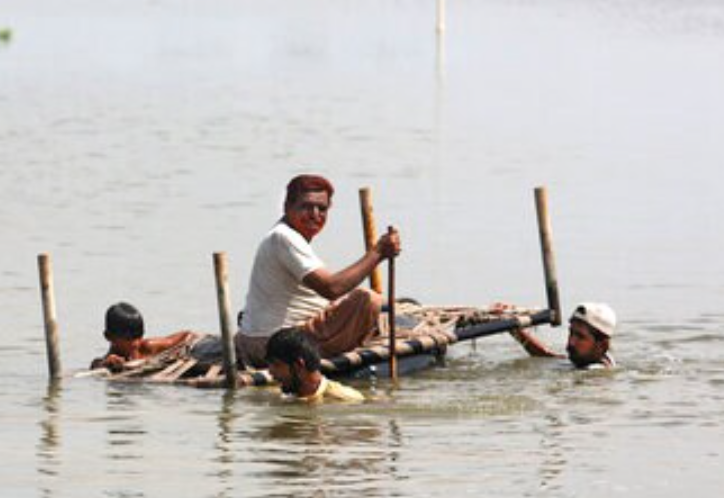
(549, 263)
(440, 25)
(391, 306)
(370, 234)
(47, 294)
(222, 293)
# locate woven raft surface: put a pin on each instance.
(424, 330)
(419, 330)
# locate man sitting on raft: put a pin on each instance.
(589, 338)
(290, 286)
(125, 330)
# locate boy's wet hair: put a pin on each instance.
(290, 344)
(124, 321)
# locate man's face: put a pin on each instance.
(308, 214)
(286, 375)
(583, 348)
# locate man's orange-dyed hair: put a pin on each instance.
(302, 184)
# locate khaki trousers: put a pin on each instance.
(345, 324)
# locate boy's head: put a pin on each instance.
(123, 321)
(289, 345)
(293, 360)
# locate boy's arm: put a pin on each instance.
(96, 363)
(157, 345)
(533, 345)
(110, 361)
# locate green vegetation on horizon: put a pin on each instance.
(6, 35)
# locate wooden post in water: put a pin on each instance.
(222, 293)
(391, 314)
(549, 263)
(370, 234)
(440, 25)
(47, 294)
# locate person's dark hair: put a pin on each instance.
(290, 344)
(124, 321)
(301, 184)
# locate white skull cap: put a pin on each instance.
(600, 316)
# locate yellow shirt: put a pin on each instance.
(329, 389)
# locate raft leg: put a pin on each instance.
(47, 294)
(549, 263)
(370, 234)
(222, 293)
(391, 304)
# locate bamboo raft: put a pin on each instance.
(413, 333)
(422, 331)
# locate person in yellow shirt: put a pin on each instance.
(294, 362)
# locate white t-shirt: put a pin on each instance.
(277, 296)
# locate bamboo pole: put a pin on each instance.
(222, 294)
(391, 314)
(370, 234)
(47, 294)
(549, 263)
(440, 25)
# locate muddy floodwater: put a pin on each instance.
(138, 137)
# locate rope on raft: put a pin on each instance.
(424, 330)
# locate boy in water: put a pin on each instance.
(124, 330)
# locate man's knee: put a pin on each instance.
(366, 297)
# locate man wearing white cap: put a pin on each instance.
(589, 335)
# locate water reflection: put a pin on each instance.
(440, 60)
(224, 444)
(553, 460)
(125, 433)
(329, 449)
(126, 443)
(48, 447)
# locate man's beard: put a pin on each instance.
(579, 361)
(294, 384)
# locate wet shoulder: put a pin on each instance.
(338, 391)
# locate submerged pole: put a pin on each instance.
(227, 340)
(549, 263)
(370, 234)
(391, 314)
(47, 294)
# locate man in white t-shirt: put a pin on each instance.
(589, 337)
(290, 286)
